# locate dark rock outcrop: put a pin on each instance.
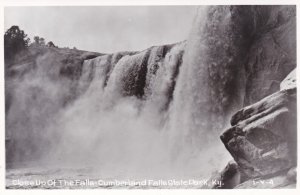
(228, 177)
(263, 138)
(272, 54)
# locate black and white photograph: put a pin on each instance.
(150, 97)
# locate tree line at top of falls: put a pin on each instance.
(17, 41)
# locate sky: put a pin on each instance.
(104, 29)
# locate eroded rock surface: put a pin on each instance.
(272, 54)
(263, 138)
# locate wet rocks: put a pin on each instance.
(272, 54)
(229, 177)
(262, 139)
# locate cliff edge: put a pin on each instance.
(263, 141)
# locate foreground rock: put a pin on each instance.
(263, 140)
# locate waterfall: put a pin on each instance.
(120, 124)
(210, 82)
(154, 113)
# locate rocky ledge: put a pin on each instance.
(262, 140)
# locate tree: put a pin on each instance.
(42, 41)
(15, 40)
(50, 44)
(39, 41)
(36, 40)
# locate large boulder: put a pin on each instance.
(263, 136)
(228, 178)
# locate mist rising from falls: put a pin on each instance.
(119, 126)
(36, 97)
(154, 113)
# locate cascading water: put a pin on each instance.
(148, 114)
(119, 125)
(210, 83)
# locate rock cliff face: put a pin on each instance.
(272, 55)
(235, 56)
(263, 139)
